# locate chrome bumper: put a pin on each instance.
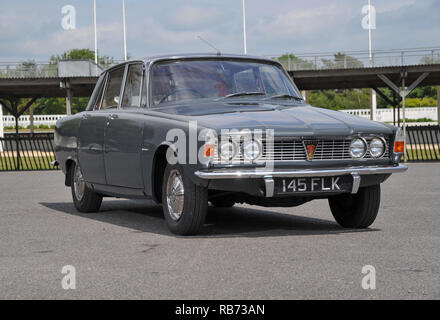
(268, 175)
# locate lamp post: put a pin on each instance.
(96, 34)
(244, 27)
(124, 30)
(370, 54)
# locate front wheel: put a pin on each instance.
(84, 199)
(184, 203)
(357, 211)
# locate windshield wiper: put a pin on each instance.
(242, 94)
(285, 96)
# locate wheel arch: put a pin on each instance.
(158, 170)
(69, 165)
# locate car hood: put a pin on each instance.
(299, 120)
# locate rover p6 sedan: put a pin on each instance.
(190, 130)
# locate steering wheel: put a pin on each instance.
(180, 90)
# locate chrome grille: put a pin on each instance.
(292, 149)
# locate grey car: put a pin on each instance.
(190, 130)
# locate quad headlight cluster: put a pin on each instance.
(250, 149)
(359, 147)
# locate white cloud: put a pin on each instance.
(31, 29)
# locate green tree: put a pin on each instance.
(292, 62)
(342, 61)
(81, 54)
(58, 105)
(431, 59)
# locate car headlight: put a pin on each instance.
(377, 148)
(228, 150)
(358, 148)
(252, 150)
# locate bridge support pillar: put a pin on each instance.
(306, 95)
(404, 91)
(31, 118)
(69, 101)
(438, 105)
(373, 105)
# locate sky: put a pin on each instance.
(32, 29)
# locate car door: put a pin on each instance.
(91, 138)
(124, 131)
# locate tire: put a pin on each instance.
(356, 211)
(84, 199)
(222, 203)
(185, 218)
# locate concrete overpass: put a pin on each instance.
(312, 72)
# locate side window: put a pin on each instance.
(132, 92)
(114, 82)
(144, 91)
(98, 98)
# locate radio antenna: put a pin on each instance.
(209, 44)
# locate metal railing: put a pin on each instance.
(358, 59)
(293, 62)
(62, 69)
(27, 151)
(423, 143)
(24, 70)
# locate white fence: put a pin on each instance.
(386, 115)
(24, 121)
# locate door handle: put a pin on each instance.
(113, 116)
(85, 116)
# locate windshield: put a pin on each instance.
(173, 82)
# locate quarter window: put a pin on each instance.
(96, 105)
(132, 94)
(114, 82)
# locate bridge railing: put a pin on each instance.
(62, 69)
(23, 70)
(358, 59)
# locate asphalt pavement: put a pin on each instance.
(246, 252)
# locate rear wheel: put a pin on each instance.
(357, 211)
(184, 203)
(84, 199)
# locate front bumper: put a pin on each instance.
(269, 175)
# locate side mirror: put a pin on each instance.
(116, 100)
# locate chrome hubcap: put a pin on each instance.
(175, 195)
(79, 185)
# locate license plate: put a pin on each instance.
(313, 185)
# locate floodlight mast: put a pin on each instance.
(244, 28)
(124, 30)
(96, 33)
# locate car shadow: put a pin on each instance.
(239, 221)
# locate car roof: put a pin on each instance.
(203, 55)
(155, 58)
